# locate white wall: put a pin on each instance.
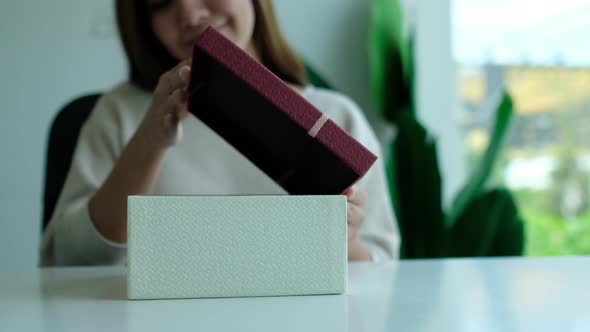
(52, 51)
(332, 36)
(437, 96)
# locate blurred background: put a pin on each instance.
(540, 51)
(466, 52)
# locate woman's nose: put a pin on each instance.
(192, 12)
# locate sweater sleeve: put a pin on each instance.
(379, 232)
(71, 237)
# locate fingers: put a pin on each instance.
(352, 232)
(173, 86)
(183, 113)
(355, 196)
(356, 215)
(185, 73)
(176, 78)
(356, 211)
(179, 97)
(176, 105)
(348, 191)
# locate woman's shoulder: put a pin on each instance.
(126, 93)
(336, 105)
(330, 99)
(123, 101)
(345, 112)
(118, 112)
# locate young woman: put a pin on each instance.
(139, 138)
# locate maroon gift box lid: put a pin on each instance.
(270, 123)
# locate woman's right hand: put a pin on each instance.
(136, 170)
(161, 126)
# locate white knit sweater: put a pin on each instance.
(201, 164)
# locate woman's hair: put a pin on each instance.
(148, 58)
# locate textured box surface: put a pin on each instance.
(233, 246)
(270, 123)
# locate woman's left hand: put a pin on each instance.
(356, 217)
(356, 211)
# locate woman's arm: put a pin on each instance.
(89, 224)
(356, 217)
(136, 171)
(377, 235)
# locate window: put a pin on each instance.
(539, 51)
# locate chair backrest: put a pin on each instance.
(63, 137)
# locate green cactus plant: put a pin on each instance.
(481, 222)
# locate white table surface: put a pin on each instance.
(547, 294)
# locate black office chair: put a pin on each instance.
(63, 137)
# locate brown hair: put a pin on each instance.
(148, 58)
